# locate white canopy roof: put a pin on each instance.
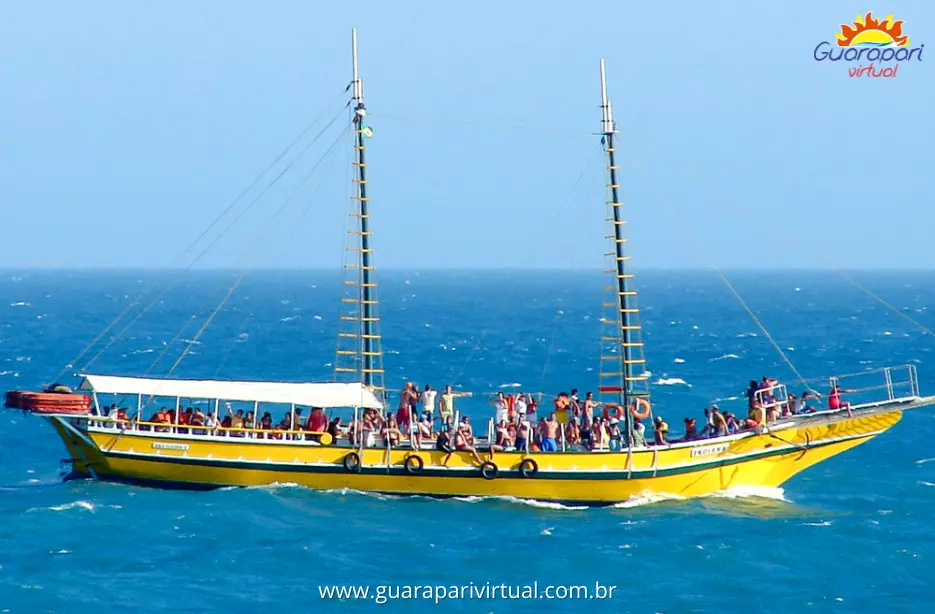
(300, 393)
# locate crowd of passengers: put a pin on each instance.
(573, 423)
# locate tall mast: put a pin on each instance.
(368, 355)
(623, 366)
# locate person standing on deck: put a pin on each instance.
(562, 402)
(428, 401)
(587, 414)
(500, 404)
(550, 428)
(574, 405)
(406, 397)
(446, 405)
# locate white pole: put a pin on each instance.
(607, 123)
(358, 87)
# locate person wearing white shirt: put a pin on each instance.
(428, 401)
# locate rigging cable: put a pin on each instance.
(561, 302)
(795, 239)
(191, 246)
(233, 288)
(702, 248)
(211, 245)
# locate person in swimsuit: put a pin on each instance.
(719, 422)
(522, 435)
(462, 445)
(835, 402)
(390, 431)
(549, 432)
(587, 414)
(408, 396)
(572, 433)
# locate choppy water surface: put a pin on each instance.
(853, 534)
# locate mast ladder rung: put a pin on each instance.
(349, 319)
(610, 338)
(629, 328)
(345, 299)
(625, 275)
(613, 185)
(610, 357)
(360, 215)
(345, 370)
(613, 168)
(615, 222)
(358, 232)
(639, 378)
(628, 310)
(370, 336)
(348, 335)
(627, 293)
(371, 370)
(371, 353)
(350, 282)
(368, 302)
(370, 319)
(360, 198)
(632, 345)
(346, 352)
(360, 164)
(616, 374)
(370, 285)
(638, 361)
(360, 249)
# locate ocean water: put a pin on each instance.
(853, 534)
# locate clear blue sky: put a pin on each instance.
(127, 126)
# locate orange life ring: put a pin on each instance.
(612, 411)
(635, 404)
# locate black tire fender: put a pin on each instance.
(528, 468)
(352, 462)
(489, 470)
(414, 464)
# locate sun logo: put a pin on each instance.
(870, 32)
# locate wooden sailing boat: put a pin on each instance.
(206, 456)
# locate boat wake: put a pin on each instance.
(733, 493)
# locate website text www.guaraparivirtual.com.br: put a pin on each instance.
(382, 594)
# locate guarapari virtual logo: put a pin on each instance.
(871, 47)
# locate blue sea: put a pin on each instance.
(853, 534)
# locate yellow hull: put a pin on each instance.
(687, 470)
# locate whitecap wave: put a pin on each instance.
(924, 460)
(672, 381)
(724, 357)
(510, 385)
(19, 304)
(546, 531)
(679, 361)
(82, 505)
(289, 318)
(823, 523)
